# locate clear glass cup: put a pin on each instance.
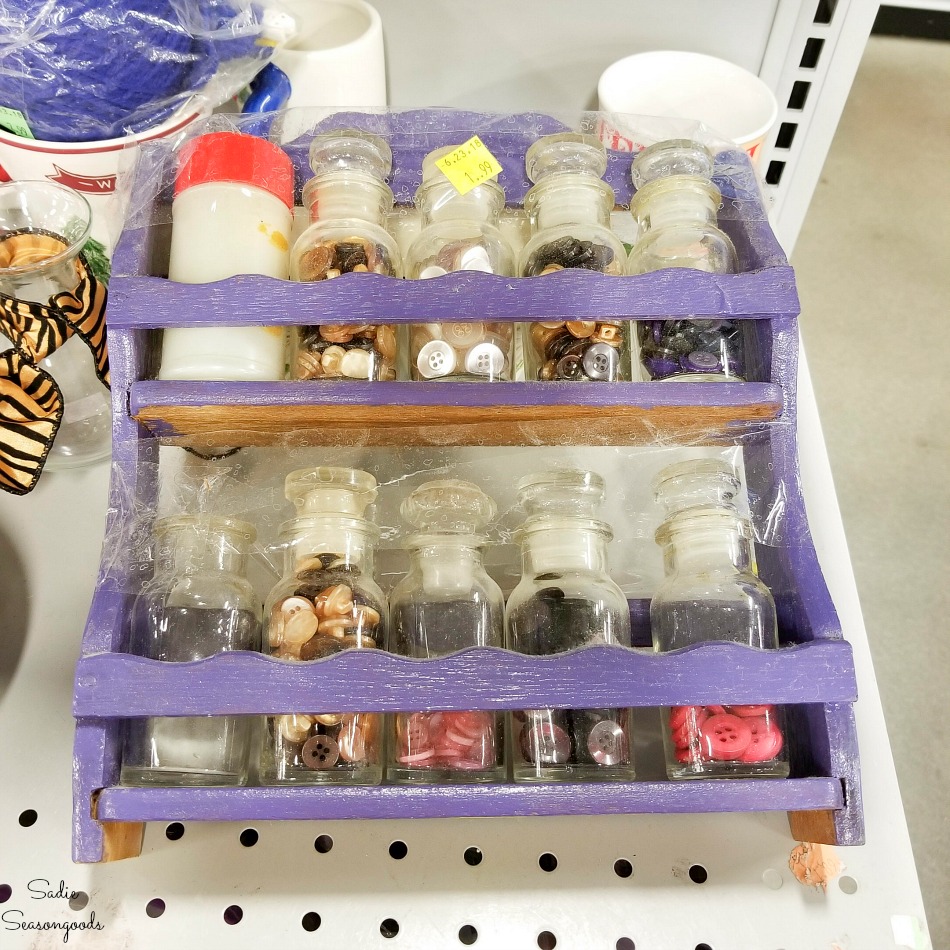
(446, 602)
(43, 227)
(198, 603)
(566, 599)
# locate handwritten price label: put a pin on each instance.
(469, 165)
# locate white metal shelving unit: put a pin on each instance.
(291, 890)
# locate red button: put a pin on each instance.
(751, 710)
(689, 726)
(725, 737)
(679, 715)
(766, 741)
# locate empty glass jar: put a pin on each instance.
(327, 601)
(198, 603)
(569, 211)
(566, 599)
(676, 216)
(459, 233)
(348, 201)
(447, 602)
(711, 593)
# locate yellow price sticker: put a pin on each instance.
(469, 165)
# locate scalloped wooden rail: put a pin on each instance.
(118, 684)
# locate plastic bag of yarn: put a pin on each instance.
(88, 70)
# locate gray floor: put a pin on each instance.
(873, 266)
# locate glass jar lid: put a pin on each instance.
(696, 482)
(351, 150)
(448, 505)
(671, 157)
(330, 491)
(566, 152)
(211, 523)
(571, 493)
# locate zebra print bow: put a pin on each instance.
(31, 404)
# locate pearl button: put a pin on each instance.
(485, 359)
(544, 743)
(607, 743)
(433, 270)
(601, 361)
(463, 334)
(356, 364)
(435, 359)
(476, 258)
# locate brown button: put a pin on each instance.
(329, 719)
(352, 742)
(581, 328)
(320, 752)
(319, 646)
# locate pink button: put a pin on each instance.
(715, 710)
(689, 725)
(766, 742)
(725, 737)
(751, 710)
(679, 715)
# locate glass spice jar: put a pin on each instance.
(712, 594)
(198, 603)
(459, 233)
(566, 599)
(677, 220)
(446, 602)
(348, 201)
(569, 211)
(327, 601)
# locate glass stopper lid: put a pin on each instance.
(448, 505)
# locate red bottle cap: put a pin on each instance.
(236, 157)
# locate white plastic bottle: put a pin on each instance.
(232, 214)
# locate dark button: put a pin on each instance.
(320, 752)
(543, 743)
(700, 362)
(568, 367)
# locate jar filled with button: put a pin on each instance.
(198, 603)
(712, 594)
(566, 599)
(348, 201)
(569, 212)
(446, 602)
(675, 207)
(459, 233)
(327, 601)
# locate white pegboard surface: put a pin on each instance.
(749, 900)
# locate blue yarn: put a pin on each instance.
(83, 70)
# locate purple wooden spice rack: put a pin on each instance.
(813, 674)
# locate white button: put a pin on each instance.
(356, 364)
(486, 359)
(436, 359)
(476, 258)
(433, 270)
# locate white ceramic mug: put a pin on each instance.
(336, 60)
(692, 87)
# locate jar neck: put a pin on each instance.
(447, 563)
(558, 545)
(672, 209)
(351, 540)
(569, 199)
(713, 548)
(440, 201)
(347, 196)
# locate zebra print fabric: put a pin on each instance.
(31, 404)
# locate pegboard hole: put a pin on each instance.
(389, 927)
(175, 831)
(547, 940)
(249, 837)
(623, 868)
(233, 915)
(28, 818)
(473, 856)
(703, 946)
(323, 844)
(5, 892)
(547, 862)
(848, 885)
(468, 935)
(812, 52)
(155, 907)
(78, 900)
(311, 921)
(625, 943)
(398, 850)
(698, 874)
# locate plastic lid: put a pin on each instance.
(671, 157)
(571, 493)
(332, 491)
(697, 482)
(351, 150)
(236, 157)
(566, 152)
(449, 505)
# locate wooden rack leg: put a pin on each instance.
(817, 827)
